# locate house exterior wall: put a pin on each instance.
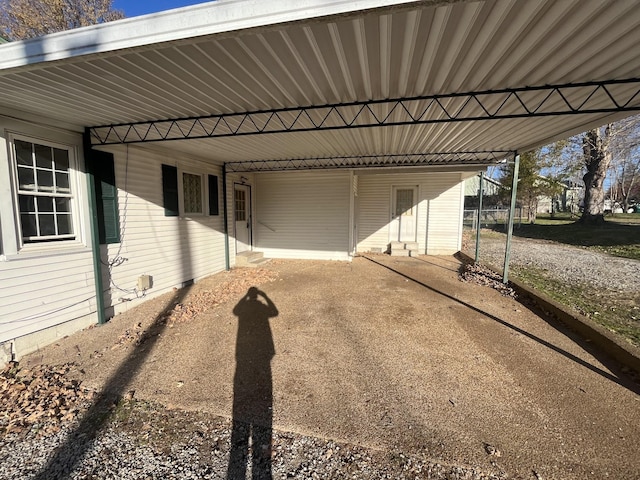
(48, 287)
(439, 210)
(47, 290)
(172, 250)
(544, 204)
(445, 194)
(303, 215)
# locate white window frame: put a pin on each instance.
(51, 242)
(203, 193)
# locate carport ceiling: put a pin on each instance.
(233, 57)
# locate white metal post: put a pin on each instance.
(514, 191)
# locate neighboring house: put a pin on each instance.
(568, 200)
(118, 142)
(490, 186)
(611, 206)
(490, 192)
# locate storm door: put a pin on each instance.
(403, 214)
(242, 217)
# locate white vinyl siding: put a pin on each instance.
(444, 231)
(438, 208)
(302, 215)
(48, 284)
(173, 250)
(42, 292)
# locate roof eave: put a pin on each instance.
(180, 24)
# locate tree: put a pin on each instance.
(24, 19)
(597, 157)
(531, 185)
(625, 161)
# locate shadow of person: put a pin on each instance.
(252, 388)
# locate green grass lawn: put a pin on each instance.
(619, 313)
(619, 236)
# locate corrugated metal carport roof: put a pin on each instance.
(232, 57)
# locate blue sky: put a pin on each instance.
(133, 8)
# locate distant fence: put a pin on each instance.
(490, 217)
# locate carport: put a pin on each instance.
(376, 86)
(423, 87)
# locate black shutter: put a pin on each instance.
(107, 197)
(213, 195)
(170, 190)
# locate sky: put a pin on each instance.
(134, 8)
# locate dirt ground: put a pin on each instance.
(381, 352)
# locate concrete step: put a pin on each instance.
(247, 258)
(411, 245)
(257, 263)
(404, 245)
(403, 249)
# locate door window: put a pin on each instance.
(241, 205)
(404, 201)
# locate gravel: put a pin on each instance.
(565, 263)
(145, 436)
(144, 441)
(481, 275)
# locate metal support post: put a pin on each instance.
(227, 262)
(89, 168)
(479, 217)
(512, 210)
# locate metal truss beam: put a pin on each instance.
(526, 102)
(472, 158)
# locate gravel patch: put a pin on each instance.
(481, 275)
(566, 263)
(148, 442)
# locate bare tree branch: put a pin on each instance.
(24, 19)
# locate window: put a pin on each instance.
(188, 196)
(192, 193)
(44, 191)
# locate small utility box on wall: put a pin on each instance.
(145, 282)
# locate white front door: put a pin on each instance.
(403, 214)
(242, 216)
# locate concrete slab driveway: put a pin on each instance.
(387, 353)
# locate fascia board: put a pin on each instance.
(180, 24)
